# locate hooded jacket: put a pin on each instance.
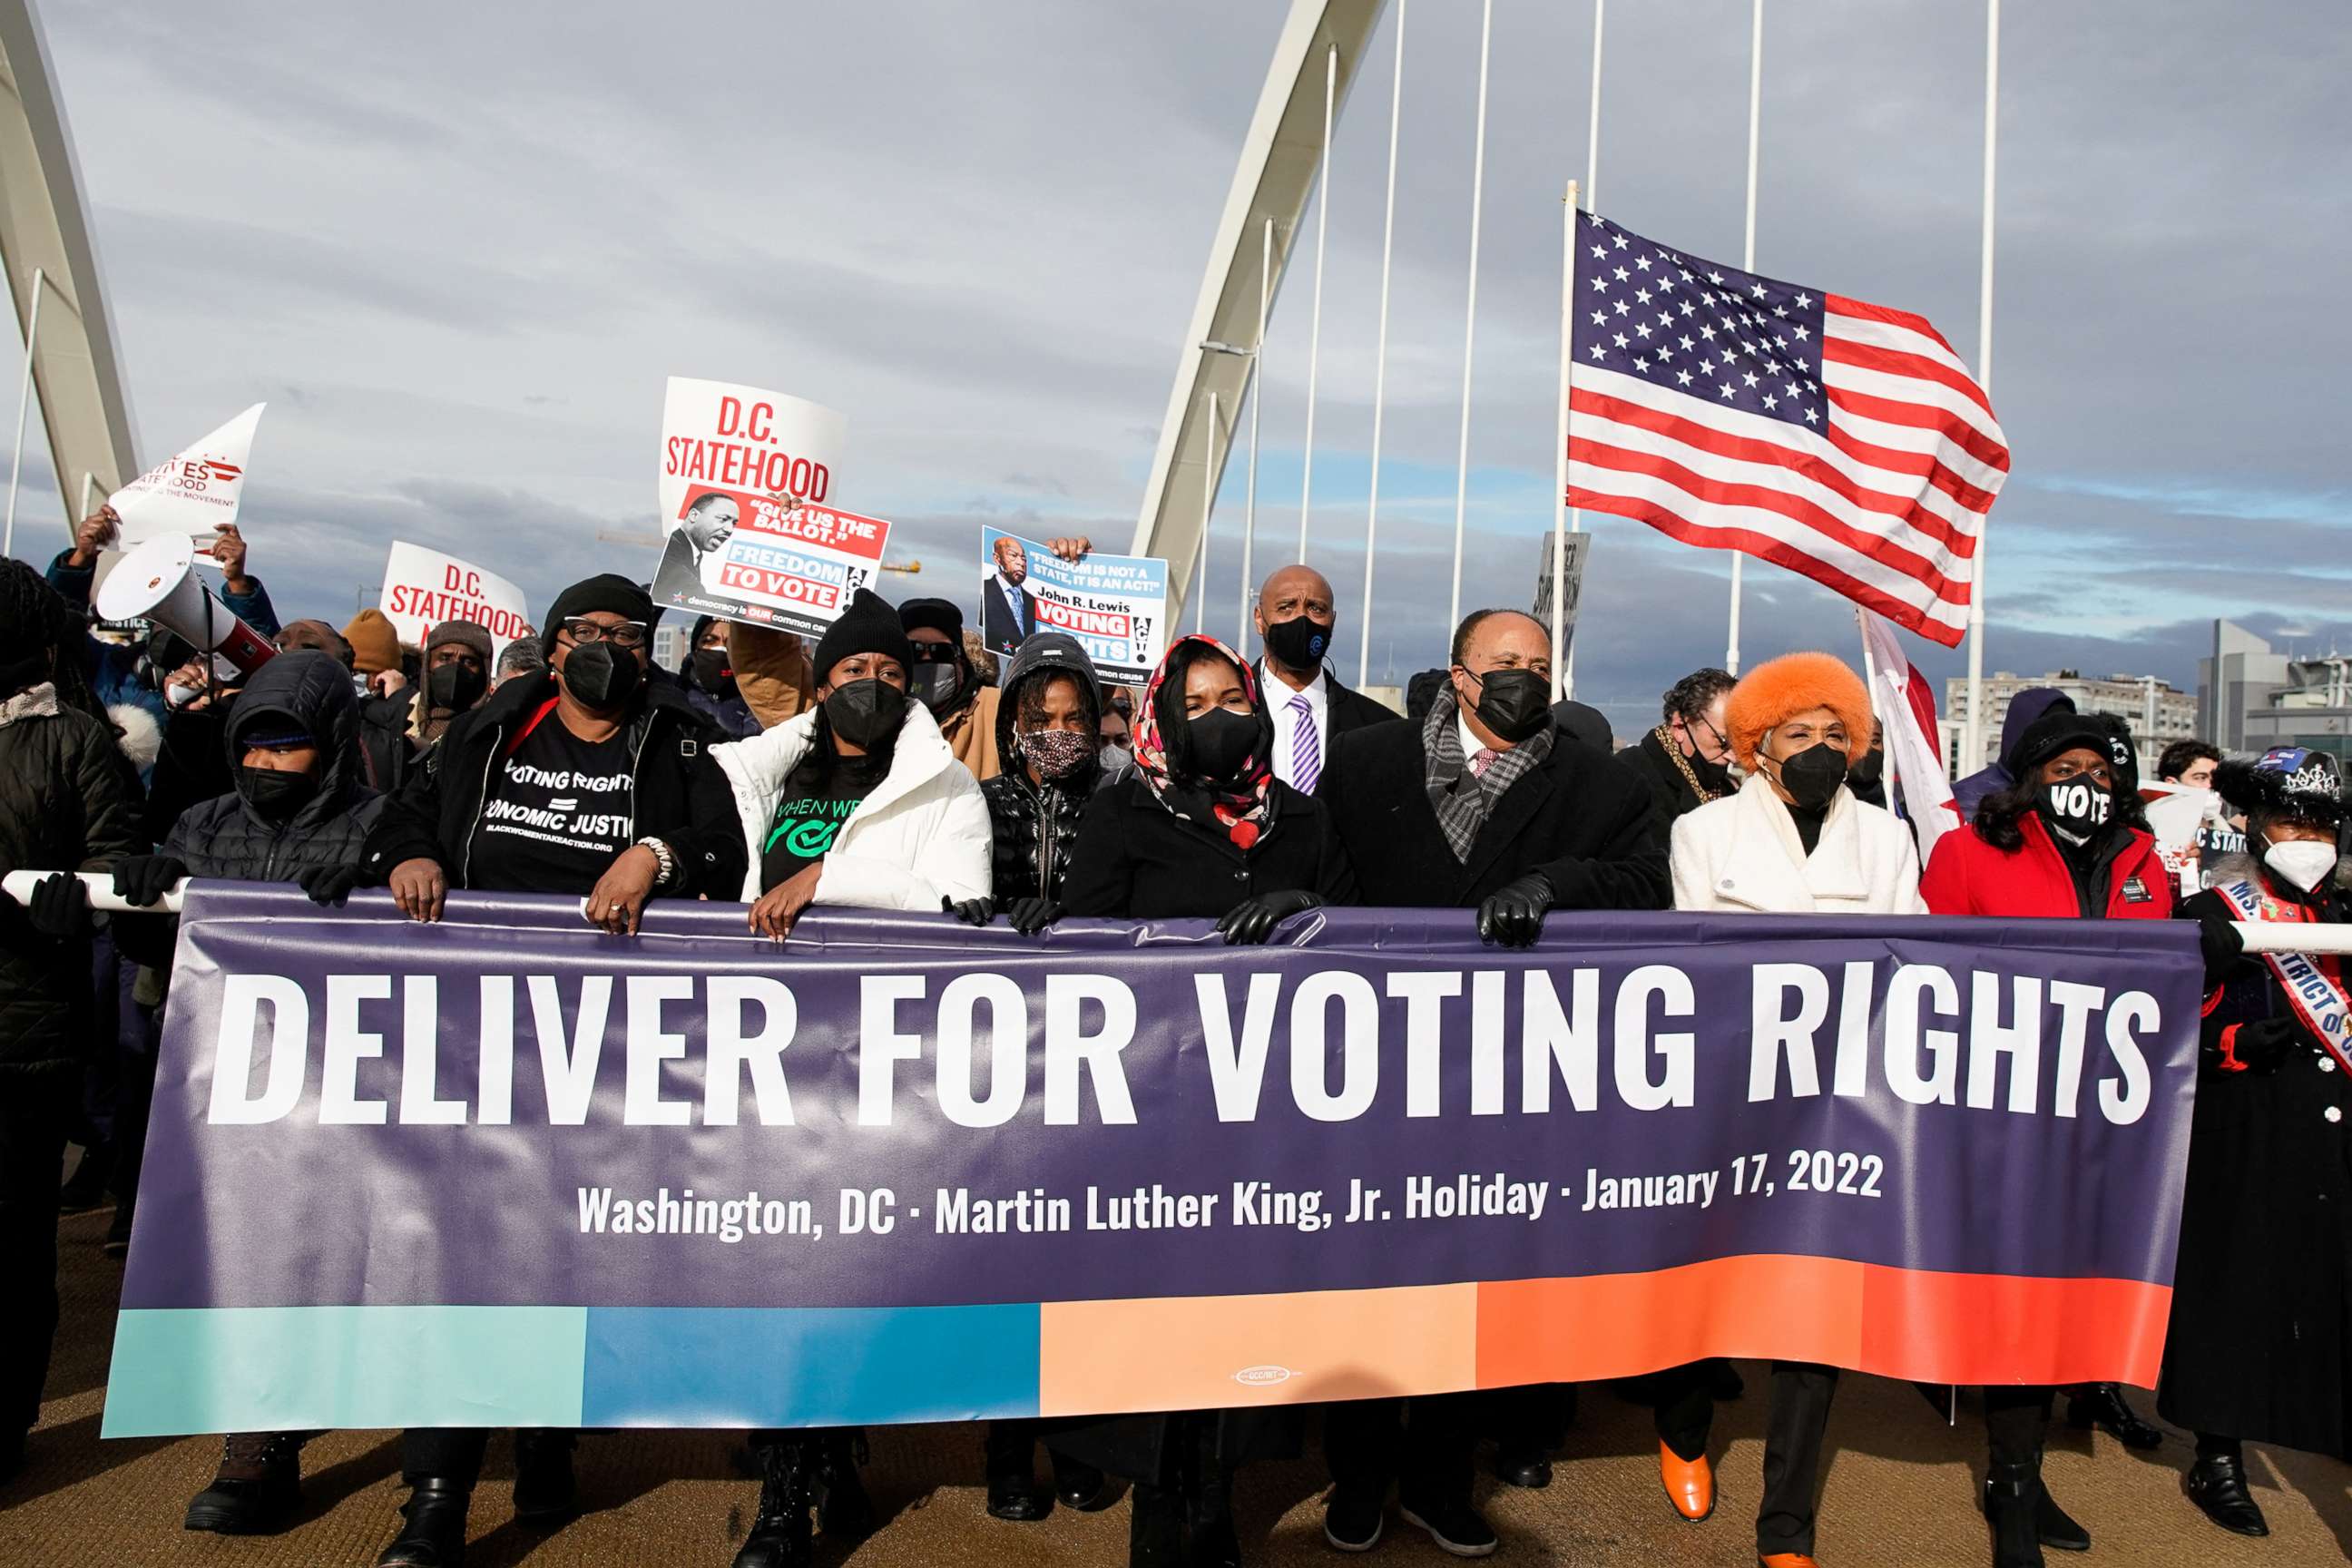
(679, 795)
(2023, 708)
(921, 837)
(226, 837)
(67, 803)
(727, 708)
(1969, 875)
(1036, 825)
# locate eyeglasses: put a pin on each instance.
(628, 634)
(935, 652)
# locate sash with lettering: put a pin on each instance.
(2314, 984)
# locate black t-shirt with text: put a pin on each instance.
(559, 811)
(811, 813)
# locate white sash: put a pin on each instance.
(2314, 988)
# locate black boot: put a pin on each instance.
(1155, 1527)
(260, 1483)
(2217, 1483)
(434, 1533)
(2056, 1527)
(2011, 1494)
(842, 1506)
(545, 1492)
(1210, 1540)
(1081, 1486)
(1012, 1490)
(2101, 1406)
(779, 1534)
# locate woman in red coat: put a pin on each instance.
(2061, 843)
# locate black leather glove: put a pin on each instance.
(2263, 1044)
(144, 878)
(971, 912)
(1252, 920)
(1030, 916)
(329, 884)
(1514, 916)
(2218, 940)
(59, 907)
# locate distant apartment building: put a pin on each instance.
(2158, 714)
(2250, 697)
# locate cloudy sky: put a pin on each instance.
(458, 250)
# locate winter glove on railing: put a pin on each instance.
(2263, 1044)
(1030, 916)
(143, 879)
(1514, 916)
(1252, 920)
(971, 912)
(329, 884)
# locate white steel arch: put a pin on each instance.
(1278, 163)
(43, 231)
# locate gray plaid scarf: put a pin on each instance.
(1463, 799)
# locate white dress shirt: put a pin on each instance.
(1278, 693)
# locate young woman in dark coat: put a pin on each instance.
(2262, 1300)
(1203, 831)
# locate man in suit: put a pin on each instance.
(1008, 611)
(1485, 804)
(702, 532)
(1296, 622)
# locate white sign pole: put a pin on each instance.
(1972, 733)
(23, 398)
(1591, 197)
(1747, 263)
(1208, 499)
(1380, 360)
(1257, 407)
(1560, 678)
(1470, 320)
(1315, 327)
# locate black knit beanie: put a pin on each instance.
(867, 625)
(937, 615)
(608, 592)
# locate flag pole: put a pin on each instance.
(1380, 360)
(24, 399)
(1208, 499)
(1258, 406)
(1560, 678)
(1972, 734)
(1315, 315)
(1470, 323)
(1748, 264)
(1591, 195)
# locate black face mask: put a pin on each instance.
(275, 793)
(867, 713)
(599, 675)
(454, 688)
(1812, 776)
(1514, 704)
(1298, 642)
(24, 674)
(1221, 741)
(714, 672)
(2076, 808)
(1866, 773)
(938, 685)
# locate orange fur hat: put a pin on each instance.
(1779, 687)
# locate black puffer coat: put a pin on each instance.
(1035, 827)
(68, 802)
(226, 837)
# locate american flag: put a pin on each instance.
(1841, 440)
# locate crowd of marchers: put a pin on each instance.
(889, 764)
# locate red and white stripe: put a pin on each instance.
(1884, 504)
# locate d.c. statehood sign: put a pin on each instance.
(509, 1171)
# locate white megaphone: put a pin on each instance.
(156, 581)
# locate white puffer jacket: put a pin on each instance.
(1742, 853)
(921, 837)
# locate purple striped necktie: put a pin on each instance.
(1305, 749)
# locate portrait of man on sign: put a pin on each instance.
(700, 535)
(1008, 611)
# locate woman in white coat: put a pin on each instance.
(858, 801)
(1792, 840)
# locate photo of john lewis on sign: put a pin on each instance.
(744, 477)
(1116, 606)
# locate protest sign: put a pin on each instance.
(193, 491)
(506, 1169)
(1116, 606)
(745, 475)
(424, 588)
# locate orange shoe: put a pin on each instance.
(1786, 1560)
(1690, 1484)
